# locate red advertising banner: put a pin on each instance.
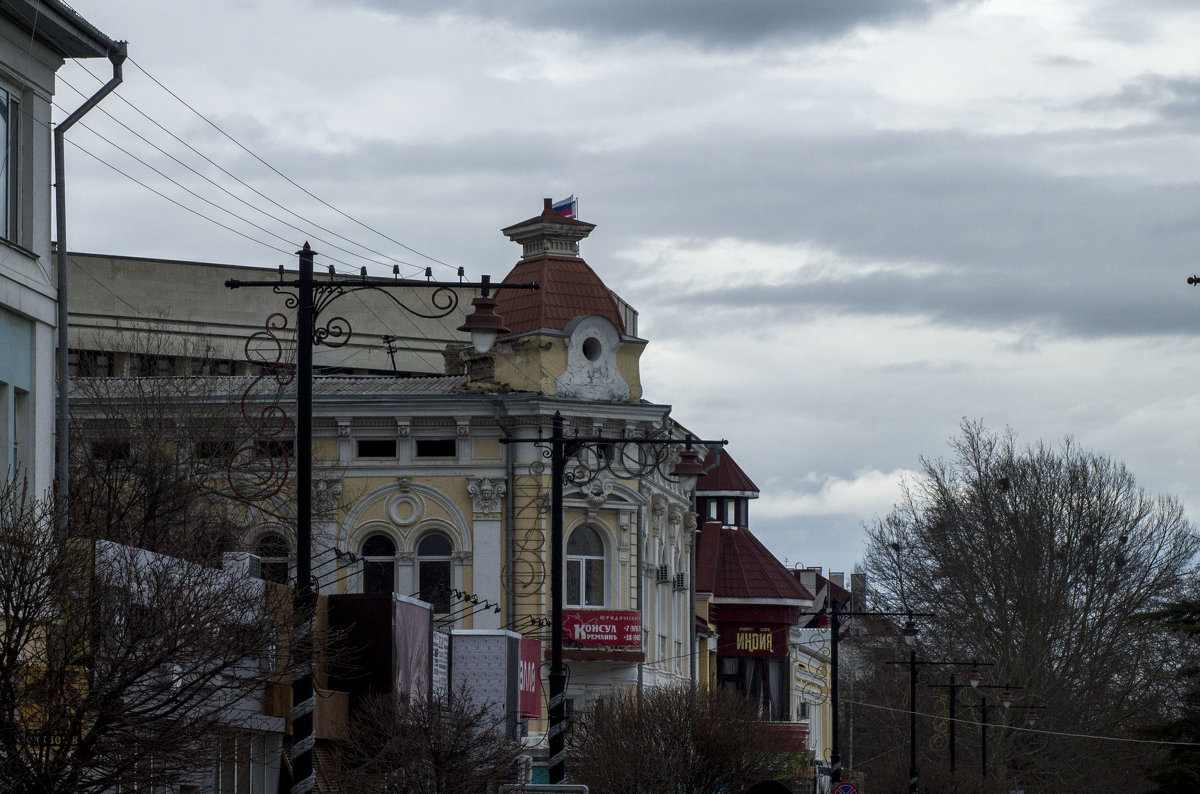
(529, 681)
(608, 628)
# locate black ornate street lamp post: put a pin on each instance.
(974, 679)
(910, 638)
(1006, 700)
(651, 453)
(309, 298)
(835, 615)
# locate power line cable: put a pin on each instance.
(1064, 734)
(194, 194)
(383, 323)
(234, 177)
(160, 194)
(284, 176)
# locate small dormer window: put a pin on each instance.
(592, 348)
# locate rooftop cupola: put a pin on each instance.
(548, 233)
(568, 338)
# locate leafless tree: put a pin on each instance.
(445, 744)
(171, 458)
(1042, 561)
(119, 666)
(128, 653)
(674, 741)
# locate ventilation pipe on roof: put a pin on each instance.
(116, 54)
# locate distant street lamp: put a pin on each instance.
(974, 679)
(909, 634)
(1006, 701)
(1031, 714)
(835, 615)
(910, 639)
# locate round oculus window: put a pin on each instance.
(592, 348)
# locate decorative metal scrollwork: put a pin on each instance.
(334, 333)
(588, 459)
(337, 331)
(259, 468)
(939, 737)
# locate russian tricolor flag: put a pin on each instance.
(568, 207)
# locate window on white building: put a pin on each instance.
(585, 568)
(273, 553)
(10, 205)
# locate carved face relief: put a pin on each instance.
(486, 494)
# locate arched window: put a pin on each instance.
(585, 568)
(273, 553)
(379, 564)
(433, 570)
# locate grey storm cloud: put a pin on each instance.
(1009, 242)
(717, 23)
(1172, 99)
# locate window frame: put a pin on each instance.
(380, 560)
(577, 596)
(273, 561)
(368, 455)
(435, 442)
(438, 560)
(11, 162)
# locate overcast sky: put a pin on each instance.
(846, 225)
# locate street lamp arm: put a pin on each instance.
(363, 282)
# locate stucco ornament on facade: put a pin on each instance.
(405, 509)
(596, 492)
(592, 372)
(486, 494)
(327, 495)
(675, 516)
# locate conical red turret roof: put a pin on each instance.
(727, 478)
(734, 566)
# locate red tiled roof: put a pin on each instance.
(726, 477)
(569, 289)
(741, 568)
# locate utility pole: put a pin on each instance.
(563, 449)
(309, 299)
(835, 615)
(1006, 700)
(974, 679)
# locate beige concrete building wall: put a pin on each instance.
(133, 306)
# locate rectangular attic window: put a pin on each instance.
(376, 447)
(437, 447)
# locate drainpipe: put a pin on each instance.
(510, 476)
(691, 630)
(637, 577)
(62, 447)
